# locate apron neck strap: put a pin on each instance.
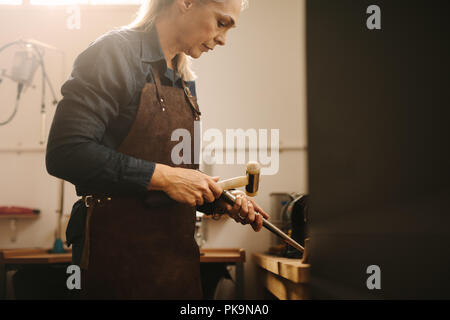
(157, 81)
(186, 90)
(188, 94)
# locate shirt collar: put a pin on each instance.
(151, 52)
(151, 47)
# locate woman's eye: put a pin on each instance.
(220, 24)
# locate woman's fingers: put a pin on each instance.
(209, 196)
(215, 188)
(248, 209)
(243, 212)
(257, 208)
(235, 209)
(251, 212)
(187, 186)
(240, 207)
(228, 207)
(257, 224)
(238, 193)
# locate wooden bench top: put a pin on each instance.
(40, 255)
(291, 269)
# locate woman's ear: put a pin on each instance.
(185, 5)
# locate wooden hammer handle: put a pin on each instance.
(233, 183)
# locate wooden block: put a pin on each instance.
(291, 269)
(297, 272)
(306, 254)
(282, 288)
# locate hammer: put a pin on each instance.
(251, 183)
(250, 180)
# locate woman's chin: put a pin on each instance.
(195, 54)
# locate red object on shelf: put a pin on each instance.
(18, 211)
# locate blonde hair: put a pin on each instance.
(145, 20)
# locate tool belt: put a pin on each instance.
(90, 201)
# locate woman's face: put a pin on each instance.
(204, 25)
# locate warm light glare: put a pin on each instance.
(72, 2)
(57, 2)
(13, 2)
(75, 2)
(113, 2)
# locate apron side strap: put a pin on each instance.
(86, 252)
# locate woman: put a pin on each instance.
(133, 230)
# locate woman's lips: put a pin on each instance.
(207, 48)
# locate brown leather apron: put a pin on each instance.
(144, 247)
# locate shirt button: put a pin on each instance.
(163, 109)
(162, 100)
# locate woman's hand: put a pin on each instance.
(187, 186)
(245, 210)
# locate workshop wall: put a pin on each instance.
(256, 82)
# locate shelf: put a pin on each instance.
(19, 216)
(33, 256)
(222, 255)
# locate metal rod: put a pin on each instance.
(231, 199)
(269, 226)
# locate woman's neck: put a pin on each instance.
(168, 39)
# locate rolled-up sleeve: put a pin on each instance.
(102, 81)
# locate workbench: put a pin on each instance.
(285, 278)
(12, 258)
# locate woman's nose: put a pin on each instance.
(221, 39)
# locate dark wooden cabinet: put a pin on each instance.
(379, 133)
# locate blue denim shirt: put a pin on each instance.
(99, 105)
